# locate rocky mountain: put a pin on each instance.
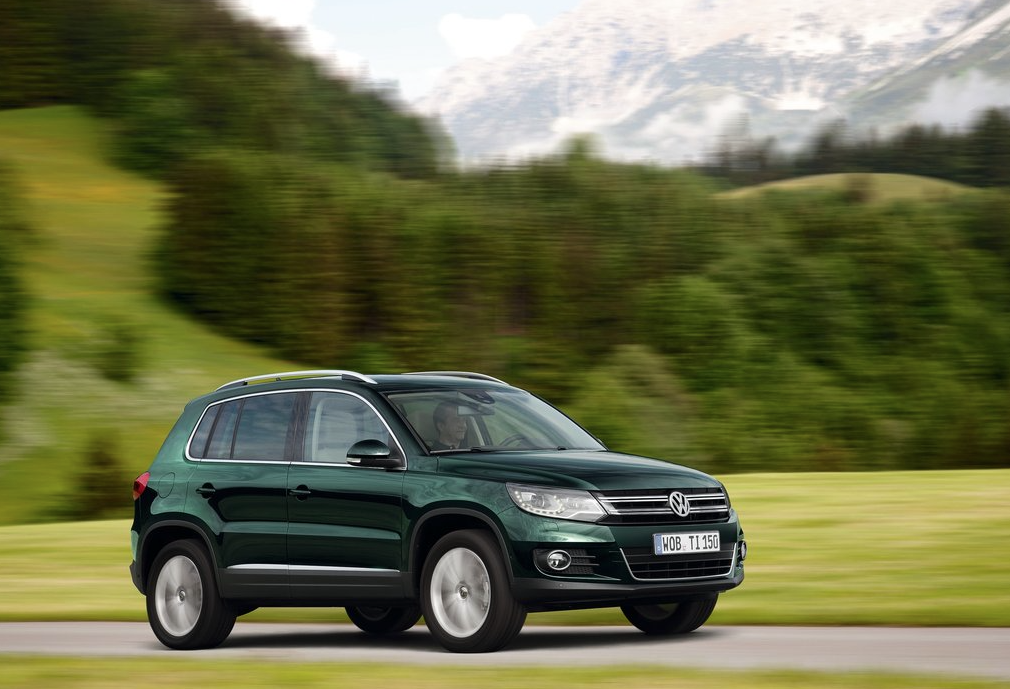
(671, 80)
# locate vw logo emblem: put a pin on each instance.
(679, 504)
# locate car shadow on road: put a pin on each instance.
(343, 636)
(582, 637)
(418, 639)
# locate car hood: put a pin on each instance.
(575, 469)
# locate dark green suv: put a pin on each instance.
(447, 494)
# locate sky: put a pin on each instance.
(408, 42)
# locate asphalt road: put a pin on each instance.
(960, 651)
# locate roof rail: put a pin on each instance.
(458, 374)
(351, 375)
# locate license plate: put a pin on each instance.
(678, 543)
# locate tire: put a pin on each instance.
(183, 605)
(380, 621)
(672, 618)
(465, 594)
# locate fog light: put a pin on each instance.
(559, 560)
(743, 550)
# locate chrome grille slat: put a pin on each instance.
(652, 506)
(654, 494)
(664, 510)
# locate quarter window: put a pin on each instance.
(223, 433)
(198, 445)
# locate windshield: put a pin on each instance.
(487, 420)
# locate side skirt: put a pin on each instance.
(315, 586)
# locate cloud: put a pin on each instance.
(350, 64)
(957, 101)
(296, 15)
(486, 38)
(289, 14)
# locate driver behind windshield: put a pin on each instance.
(449, 425)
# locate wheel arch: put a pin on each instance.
(163, 533)
(441, 521)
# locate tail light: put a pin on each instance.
(140, 484)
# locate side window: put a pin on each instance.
(250, 428)
(336, 422)
(424, 413)
(263, 427)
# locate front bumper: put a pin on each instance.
(555, 594)
(614, 565)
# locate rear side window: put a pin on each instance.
(254, 428)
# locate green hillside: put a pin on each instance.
(798, 331)
(91, 296)
(874, 188)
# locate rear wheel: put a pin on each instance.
(183, 605)
(465, 594)
(672, 618)
(384, 620)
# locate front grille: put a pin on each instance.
(652, 506)
(646, 566)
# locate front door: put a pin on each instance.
(345, 522)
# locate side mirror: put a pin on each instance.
(372, 453)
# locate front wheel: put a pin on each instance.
(672, 618)
(183, 605)
(381, 621)
(465, 594)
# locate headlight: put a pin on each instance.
(556, 503)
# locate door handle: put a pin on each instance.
(300, 493)
(206, 490)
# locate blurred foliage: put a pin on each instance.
(174, 76)
(14, 233)
(117, 352)
(98, 487)
(977, 156)
(797, 331)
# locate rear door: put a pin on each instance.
(239, 488)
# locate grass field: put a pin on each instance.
(877, 188)
(923, 548)
(46, 673)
